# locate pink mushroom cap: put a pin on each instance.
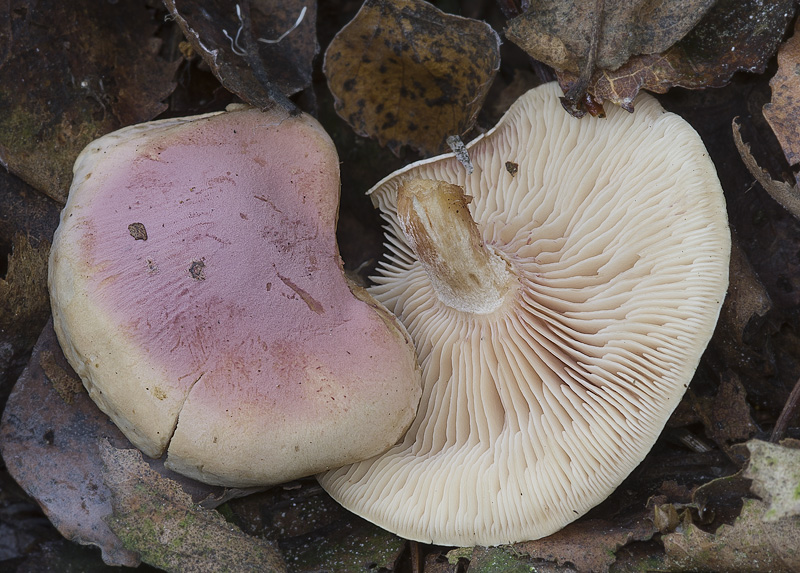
(197, 290)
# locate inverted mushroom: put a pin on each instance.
(560, 298)
(197, 290)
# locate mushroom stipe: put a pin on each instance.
(558, 317)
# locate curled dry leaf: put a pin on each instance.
(70, 72)
(734, 35)
(157, 520)
(406, 73)
(241, 45)
(785, 194)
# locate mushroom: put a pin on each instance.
(560, 298)
(198, 292)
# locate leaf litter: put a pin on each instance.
(261, 50)
(749, 362)
(69, 73)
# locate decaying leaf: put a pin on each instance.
(50, 450)
(589, 545)
(775, 471)
(783, 112)
(49, 440)
(70, 72)
(406, 73)
(740, 347)
(438, 563)
(766, 534)
(710, 505)
(157, 520)
(559, 32)
(749, 545)
(261, 50)
(734, 35)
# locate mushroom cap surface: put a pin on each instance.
(534, 412)
(197, 290)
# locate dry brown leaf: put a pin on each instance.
(783, 112)
(70, 72)
(787, 195)
(590, 544)
(406, 73)
(157, 520)
(261, 73)
(734, 35)
(558, 32)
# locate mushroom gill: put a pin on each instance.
(537, 405)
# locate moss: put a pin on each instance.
(499, 559)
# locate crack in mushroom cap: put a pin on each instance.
(198, 292)
(532, 414)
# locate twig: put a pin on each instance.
(787, 414)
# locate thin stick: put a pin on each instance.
(787, 414)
